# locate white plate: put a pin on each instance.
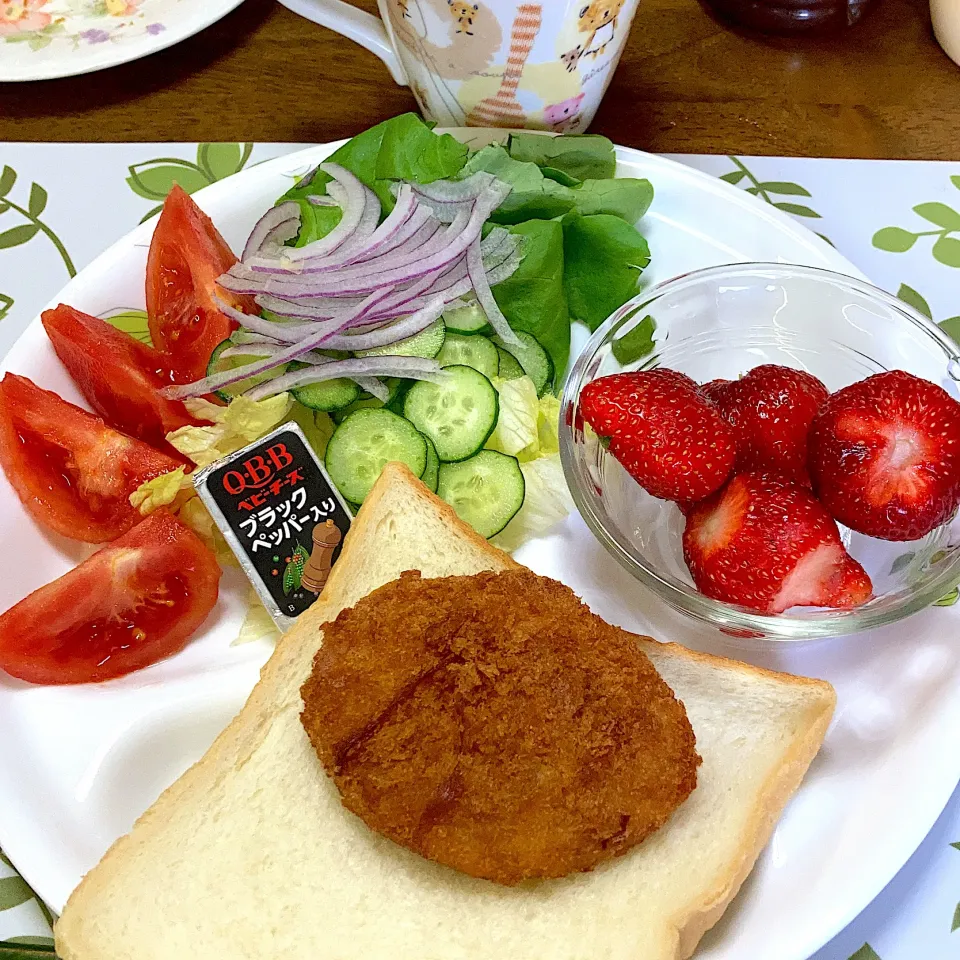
(79, 764)
(63, 38)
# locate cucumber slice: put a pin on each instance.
(477, 352)
(468, 319)
(535, 361)
(216, 365)
(328, 394)
(458, 415)
(486, 491)
(509, 368)
(426, 343)
(365, 401)
(364, 443)
(431, 472)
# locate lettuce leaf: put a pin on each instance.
(234, 426)
(196, 516)
(546, 503)
(581, 156)
(402, 148)
(603, 259)
(517, 423)
(536, 196)
(168, 490)
(528, 425)
(257, 624)
(534, 299)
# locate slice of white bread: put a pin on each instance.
(251, 855)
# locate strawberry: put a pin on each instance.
(610, 401)
(884, 456)
(770, 410)
(768, 544)
(714, 390)
(668, 438)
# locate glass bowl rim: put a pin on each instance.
(731, 618)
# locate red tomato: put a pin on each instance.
(120, 377)
(134, 602)
(72, 472)
(187, 255)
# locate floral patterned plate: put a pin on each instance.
(43, 39)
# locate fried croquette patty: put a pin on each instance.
(494, 724)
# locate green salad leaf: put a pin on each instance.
(539, 195)
(410, 150)
(603, 258)
(533, 298)
(580, 156)
(402, 148)
(534, 196)
(627, 199)
(636, 344)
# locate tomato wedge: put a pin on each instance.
(72, 472)
(187, 255)
(134, 602)
(120, 376)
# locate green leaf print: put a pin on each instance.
(797, 209)
(31, 212)
(771, 190)
(734, 176)
(950, 599)
(894, 240)
(153, 179)
(16, 236)
(956, 846)
(955, 926)
(947, 251)
(38, 200)
(13, 892)
(6, 303)
(946, 219)
(219, 160)
(866, 952)
(31, 942)
(940, 214)
(133, 322)
(909, 295)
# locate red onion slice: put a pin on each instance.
(321, 332)
(373, 386)
(481, 287)
(274, 226)
(393, 332)
(411, 368)
(355, 200)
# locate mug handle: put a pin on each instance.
(356, 25)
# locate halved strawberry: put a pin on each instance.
(765, 543)
(671, 440)
(770, 410)
(884, 456)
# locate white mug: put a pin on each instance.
(492, 63)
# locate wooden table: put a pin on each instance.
(685, 84)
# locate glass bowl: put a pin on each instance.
(721, 322)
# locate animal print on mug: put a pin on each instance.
(564, 116)
(463, 14)
(599, 19)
